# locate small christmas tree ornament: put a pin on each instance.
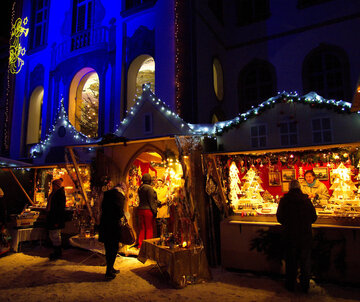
(234, 182)
(342, 185)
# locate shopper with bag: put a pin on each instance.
(147, 209)
(112, 211)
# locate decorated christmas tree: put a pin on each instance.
(251, 188)
(343, 186)
(234, 182)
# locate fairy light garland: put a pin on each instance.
(311, 98)
(179, 73)
(211, 131)
(6, 141)
(61, 120)
(160, 105)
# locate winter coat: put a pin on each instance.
(296, 213)
(319, 188)
(55, 218)
(112, 210)
(148, 198)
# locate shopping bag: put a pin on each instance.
(127, 235)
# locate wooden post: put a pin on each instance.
(18, 182)
(80, 181)
(35, 174)
(218, 180)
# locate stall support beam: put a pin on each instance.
(218, 180)
(21, 187)
(71, 151)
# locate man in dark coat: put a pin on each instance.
(55, 220)
(112, 210)
(147, 209)
(296, 213)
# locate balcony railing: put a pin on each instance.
(97, 37)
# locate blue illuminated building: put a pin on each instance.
(207, 60)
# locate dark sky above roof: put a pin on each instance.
(5, 15)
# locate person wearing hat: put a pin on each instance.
(112, 210)
(147, 209)
(296, 213)
(55, 219)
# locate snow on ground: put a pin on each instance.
(79, 276)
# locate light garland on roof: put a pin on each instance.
(311, 98)
(61, 120)
(160, 105)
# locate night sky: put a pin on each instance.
(5, 15)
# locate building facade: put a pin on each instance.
(95, 55)
(208, 60)
(253, 49)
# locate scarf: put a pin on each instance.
(312, 184)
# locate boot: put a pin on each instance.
(110, 274)
(56, 254)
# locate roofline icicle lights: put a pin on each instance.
(61, 120)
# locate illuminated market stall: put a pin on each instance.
(51, 160)
(166, 148)
(264, 149)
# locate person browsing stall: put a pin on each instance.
(314, 187)
(296, 213)
(55, 218)
(112, 210)
(147, 209)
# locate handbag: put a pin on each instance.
(127, 234)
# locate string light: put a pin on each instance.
(179, 55)
(61, 120)
(8, 89)
(174, 118)
(311, 98)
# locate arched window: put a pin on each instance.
(326, 71)
(218, 79)
(141, 71)
(34, 116)
(257, 83)
(84, 102)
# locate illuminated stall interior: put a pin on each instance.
(74, 198)
(255, 182)
(166, 172)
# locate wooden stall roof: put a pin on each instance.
(40, 166)
(127, 142)
(290, 149)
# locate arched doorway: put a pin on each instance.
(166, 177)
(141, 71)
(34, 116)
(84, 102)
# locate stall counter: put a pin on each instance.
(242, 236)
